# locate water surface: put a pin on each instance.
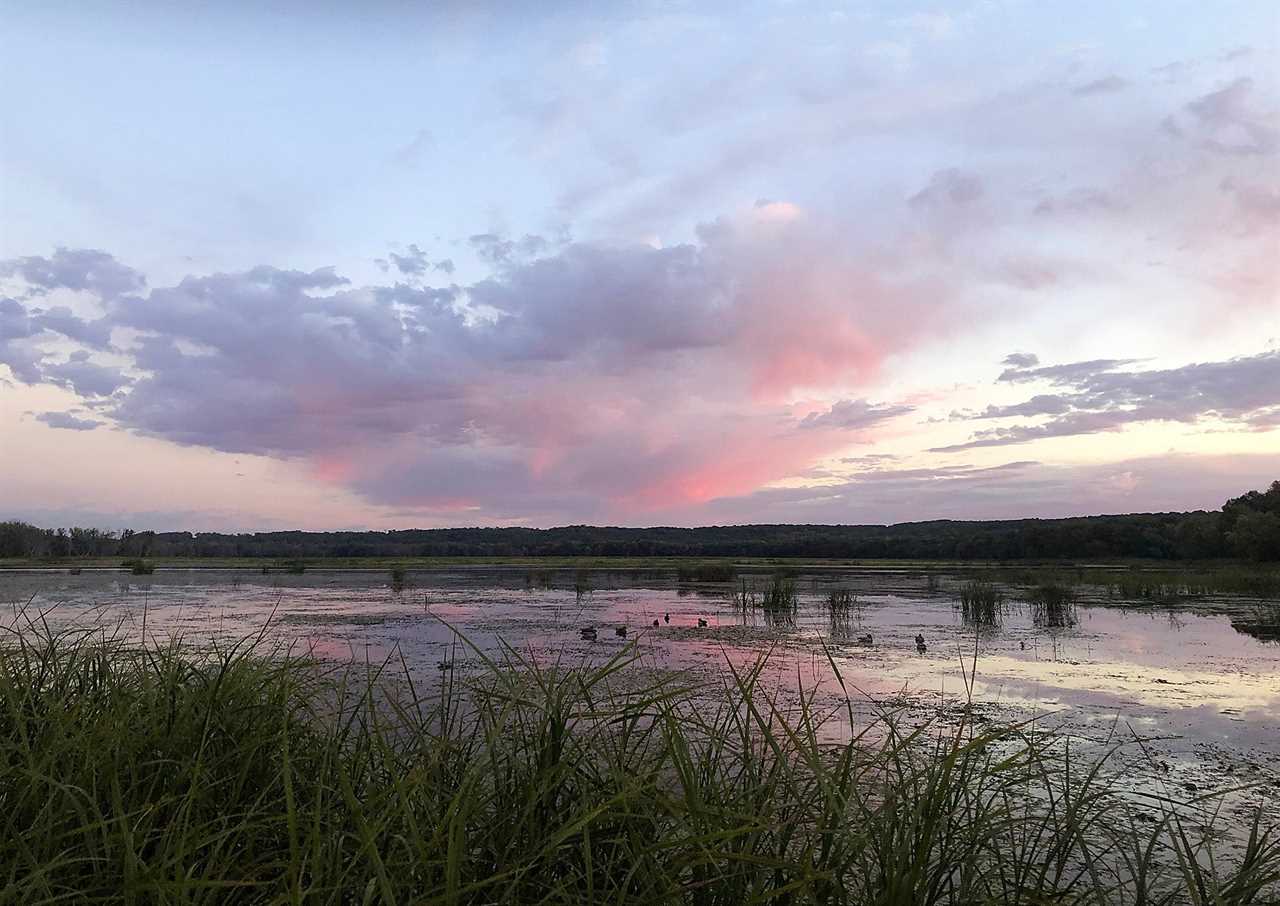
(1196, 679)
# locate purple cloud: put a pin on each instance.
(89, 270)
(67, 421)
(1099, 396)
(632, 375)
(853, 414)
(1109, 85)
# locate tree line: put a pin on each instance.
(1247, 527)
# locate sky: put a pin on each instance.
(388, 265)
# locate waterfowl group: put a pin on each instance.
(590, 633)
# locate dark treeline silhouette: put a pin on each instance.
(1247, 527)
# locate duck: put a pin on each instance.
(620, 632)
(666, 618)
(655, 624)
(589, 634)
(701, 622)
(919, 639)
(866, 639)
(444, 665)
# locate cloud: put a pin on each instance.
(1021, 360)
(89, 270)
(1067, 373)
(1081, 201)
(500, 250)
(86, 378)
(1109, 85)
(853, 414)
(1012, 490)
(584, 377)
(68, 421)
(952, 186)
(1100, 396)
(16, 347)
(1228, 121)
(413, 263)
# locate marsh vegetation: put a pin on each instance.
(231, 774)
(981, 603)
(741, 742)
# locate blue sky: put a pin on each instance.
(606, 262)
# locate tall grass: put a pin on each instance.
(1171, 586)
(779, 602)
(138, 567)
(842, 601)
(167, 774)
(744, 598)
(1053, 606)
(844, 611)
(981, 603)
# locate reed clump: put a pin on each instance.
(779, 602)
(168, 774)
(1053, 606)
(744, 598)
(844, 610)
(981, 603)
(139, 567)
(841, 602)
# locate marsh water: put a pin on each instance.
(1197, 680)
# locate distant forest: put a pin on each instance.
(1247, 527)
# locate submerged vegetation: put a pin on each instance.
(177, 775)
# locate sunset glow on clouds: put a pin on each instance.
(671, 264)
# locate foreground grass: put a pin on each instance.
(176, 775)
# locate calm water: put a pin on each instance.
(1210, 691)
